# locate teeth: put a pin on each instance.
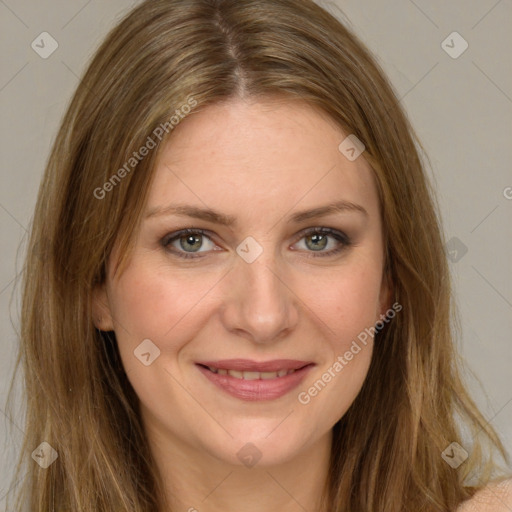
(250, 375)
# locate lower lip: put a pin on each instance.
(259, 389)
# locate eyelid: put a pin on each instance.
(323, 230)
(342, 238)
(344, 241)
(176, 235)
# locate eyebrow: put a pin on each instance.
(216, 217)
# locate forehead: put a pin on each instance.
(248, 155)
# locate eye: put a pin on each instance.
(188, 243)
(317, 239)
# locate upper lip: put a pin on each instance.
(247, 365)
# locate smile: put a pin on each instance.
(251, 375)
(253, 381)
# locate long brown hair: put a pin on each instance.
(165, 54)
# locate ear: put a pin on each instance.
(386, 293)
(102, 316)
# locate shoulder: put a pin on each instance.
(495, 497)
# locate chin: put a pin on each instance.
(260, 443)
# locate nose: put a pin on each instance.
(259, 303)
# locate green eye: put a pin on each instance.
(317, 239)
(187, 243)
(186, 239)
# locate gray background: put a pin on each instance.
(461, 108)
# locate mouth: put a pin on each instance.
(251, 380)
(247, 375)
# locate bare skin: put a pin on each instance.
(261, 163)
(496, 497)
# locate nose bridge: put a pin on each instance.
(260, 303)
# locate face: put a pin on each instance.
(245, 328)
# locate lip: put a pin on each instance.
(259, 389)
(248, 365)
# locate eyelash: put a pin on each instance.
(342, 238)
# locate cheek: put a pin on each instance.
(156, 306)
(152, 303)
(347, 301)
(347, 306)
(168, 308)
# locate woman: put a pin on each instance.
(240, 298)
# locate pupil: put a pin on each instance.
(318, 238)
(192, 240)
